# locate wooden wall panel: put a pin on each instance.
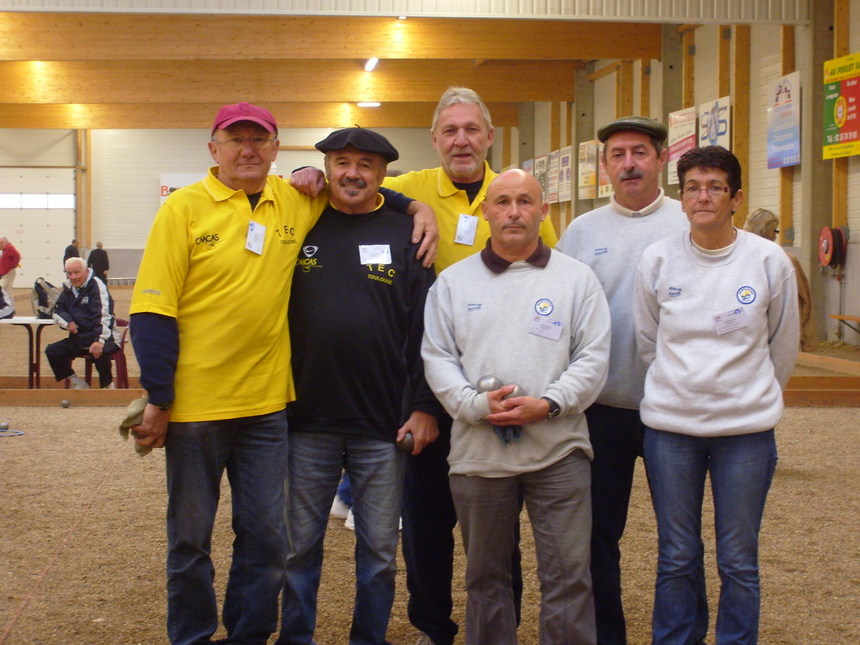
(200, 115)
(71, 36)
(278, 81)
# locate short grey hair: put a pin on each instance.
(455, 95)
(80, 261)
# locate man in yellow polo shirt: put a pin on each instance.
(462, 133)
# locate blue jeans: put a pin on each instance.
(254, 452)
(741, 469)
(376, 478)
(617, 435)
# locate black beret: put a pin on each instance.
(360, 139)
(640, 123)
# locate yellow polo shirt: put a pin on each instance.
(435, 188)
(230, 302)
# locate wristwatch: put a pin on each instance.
(554, 410)
(164, 406)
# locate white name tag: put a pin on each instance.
(374, 253)
(730, 321)
(467, 225)
(255, 238)
(546, 327)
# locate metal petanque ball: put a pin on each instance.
(488, 383)
(407, 444)
(65, 403)
(4, 426)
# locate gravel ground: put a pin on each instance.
(82, 535)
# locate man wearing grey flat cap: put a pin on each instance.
(610, 240)
(356, 323)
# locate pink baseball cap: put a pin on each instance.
(230, 114)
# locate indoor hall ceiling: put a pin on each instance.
(121, 70)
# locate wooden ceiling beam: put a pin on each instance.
(112, 36)
(230, 81)
(200, 115)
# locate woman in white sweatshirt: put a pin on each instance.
(717, 324)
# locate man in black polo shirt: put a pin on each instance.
(356, 323)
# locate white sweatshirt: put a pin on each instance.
(720, 334)
(610, 240)
(545, 329)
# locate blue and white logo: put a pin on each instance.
(746, 295)
(674, 292)
(543, 307)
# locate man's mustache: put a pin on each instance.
(633, 173)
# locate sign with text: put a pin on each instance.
(682, 137)
(604, 185)
(565, 173)
(841, 95)
(783, 122)
(715, 123)
(587, 179)
(552, 178)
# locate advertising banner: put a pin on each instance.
(715, 123)
(841, 93)
(682, 137)
(565, 173)
(588, 169)
(783, 122)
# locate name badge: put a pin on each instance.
(546, 327)
(730, 321)
(467, 225)
(374, 253)
(255, 238)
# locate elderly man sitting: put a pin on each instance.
(85, 309)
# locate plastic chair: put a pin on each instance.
(118, 357)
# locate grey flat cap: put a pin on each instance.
(639, 123)
(361, 139)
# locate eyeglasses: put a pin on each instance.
(692, 191)
(238, 143)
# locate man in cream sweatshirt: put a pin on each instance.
(538, 319)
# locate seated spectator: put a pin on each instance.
(7, 305)
(85, 309)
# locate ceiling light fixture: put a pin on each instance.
(370, 64)
(368, 104)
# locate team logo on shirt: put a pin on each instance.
(308, 262)
(543, 307)
(746, 295)
(674, 292)
(209, 240)
(601, 251)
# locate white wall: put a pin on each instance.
(39, 235)
(127, 165)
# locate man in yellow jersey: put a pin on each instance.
(462, 133)
(209, 327)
